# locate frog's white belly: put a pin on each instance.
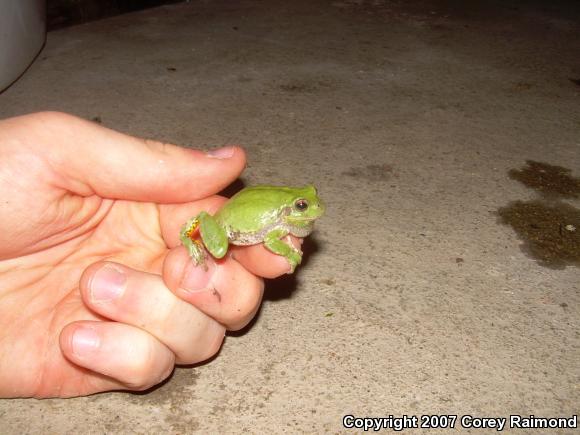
(244, 239)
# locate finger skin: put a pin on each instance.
(231, 295)
(124, 353)
(143, 300)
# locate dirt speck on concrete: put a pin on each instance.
(523, 86)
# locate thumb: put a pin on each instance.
(91, 159)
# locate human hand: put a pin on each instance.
(95, 293)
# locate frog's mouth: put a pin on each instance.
(301, 218)
(301, 221)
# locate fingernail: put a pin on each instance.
(197, 277)
(221, 153)
(108, 283)
(85, 341)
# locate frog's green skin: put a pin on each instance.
(254, 215)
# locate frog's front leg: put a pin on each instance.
(273, 241)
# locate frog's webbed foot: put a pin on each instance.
(273, 241)
(193, 246)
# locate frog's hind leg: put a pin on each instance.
(193, 246)
(213, 235)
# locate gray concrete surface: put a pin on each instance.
(408, 116)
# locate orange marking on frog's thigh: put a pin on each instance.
(191, 230)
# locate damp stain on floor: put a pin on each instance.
(550, 232)
(548, 180)
(548, 227)
(380, 172)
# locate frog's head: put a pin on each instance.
(306, 207)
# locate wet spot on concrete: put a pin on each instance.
(548, 227)
(305, 86)
(382, 172)
(550, 231)
(550, 181)
(176, 394)
(293, 87)
(176, 391)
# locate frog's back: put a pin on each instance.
(255, 207)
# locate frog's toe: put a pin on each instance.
(196, 252)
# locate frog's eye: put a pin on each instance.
(301, 204)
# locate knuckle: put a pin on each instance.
(139, 380)
(239, 321)
(240, 324)
(157, 146)
(54, 117)
(209, 342)
(149, 367)
(239, 295)
(247, 304)
(213, 348)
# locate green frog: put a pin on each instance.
(259, 214)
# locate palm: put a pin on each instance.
(44, 291)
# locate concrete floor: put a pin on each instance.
(408, 116)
